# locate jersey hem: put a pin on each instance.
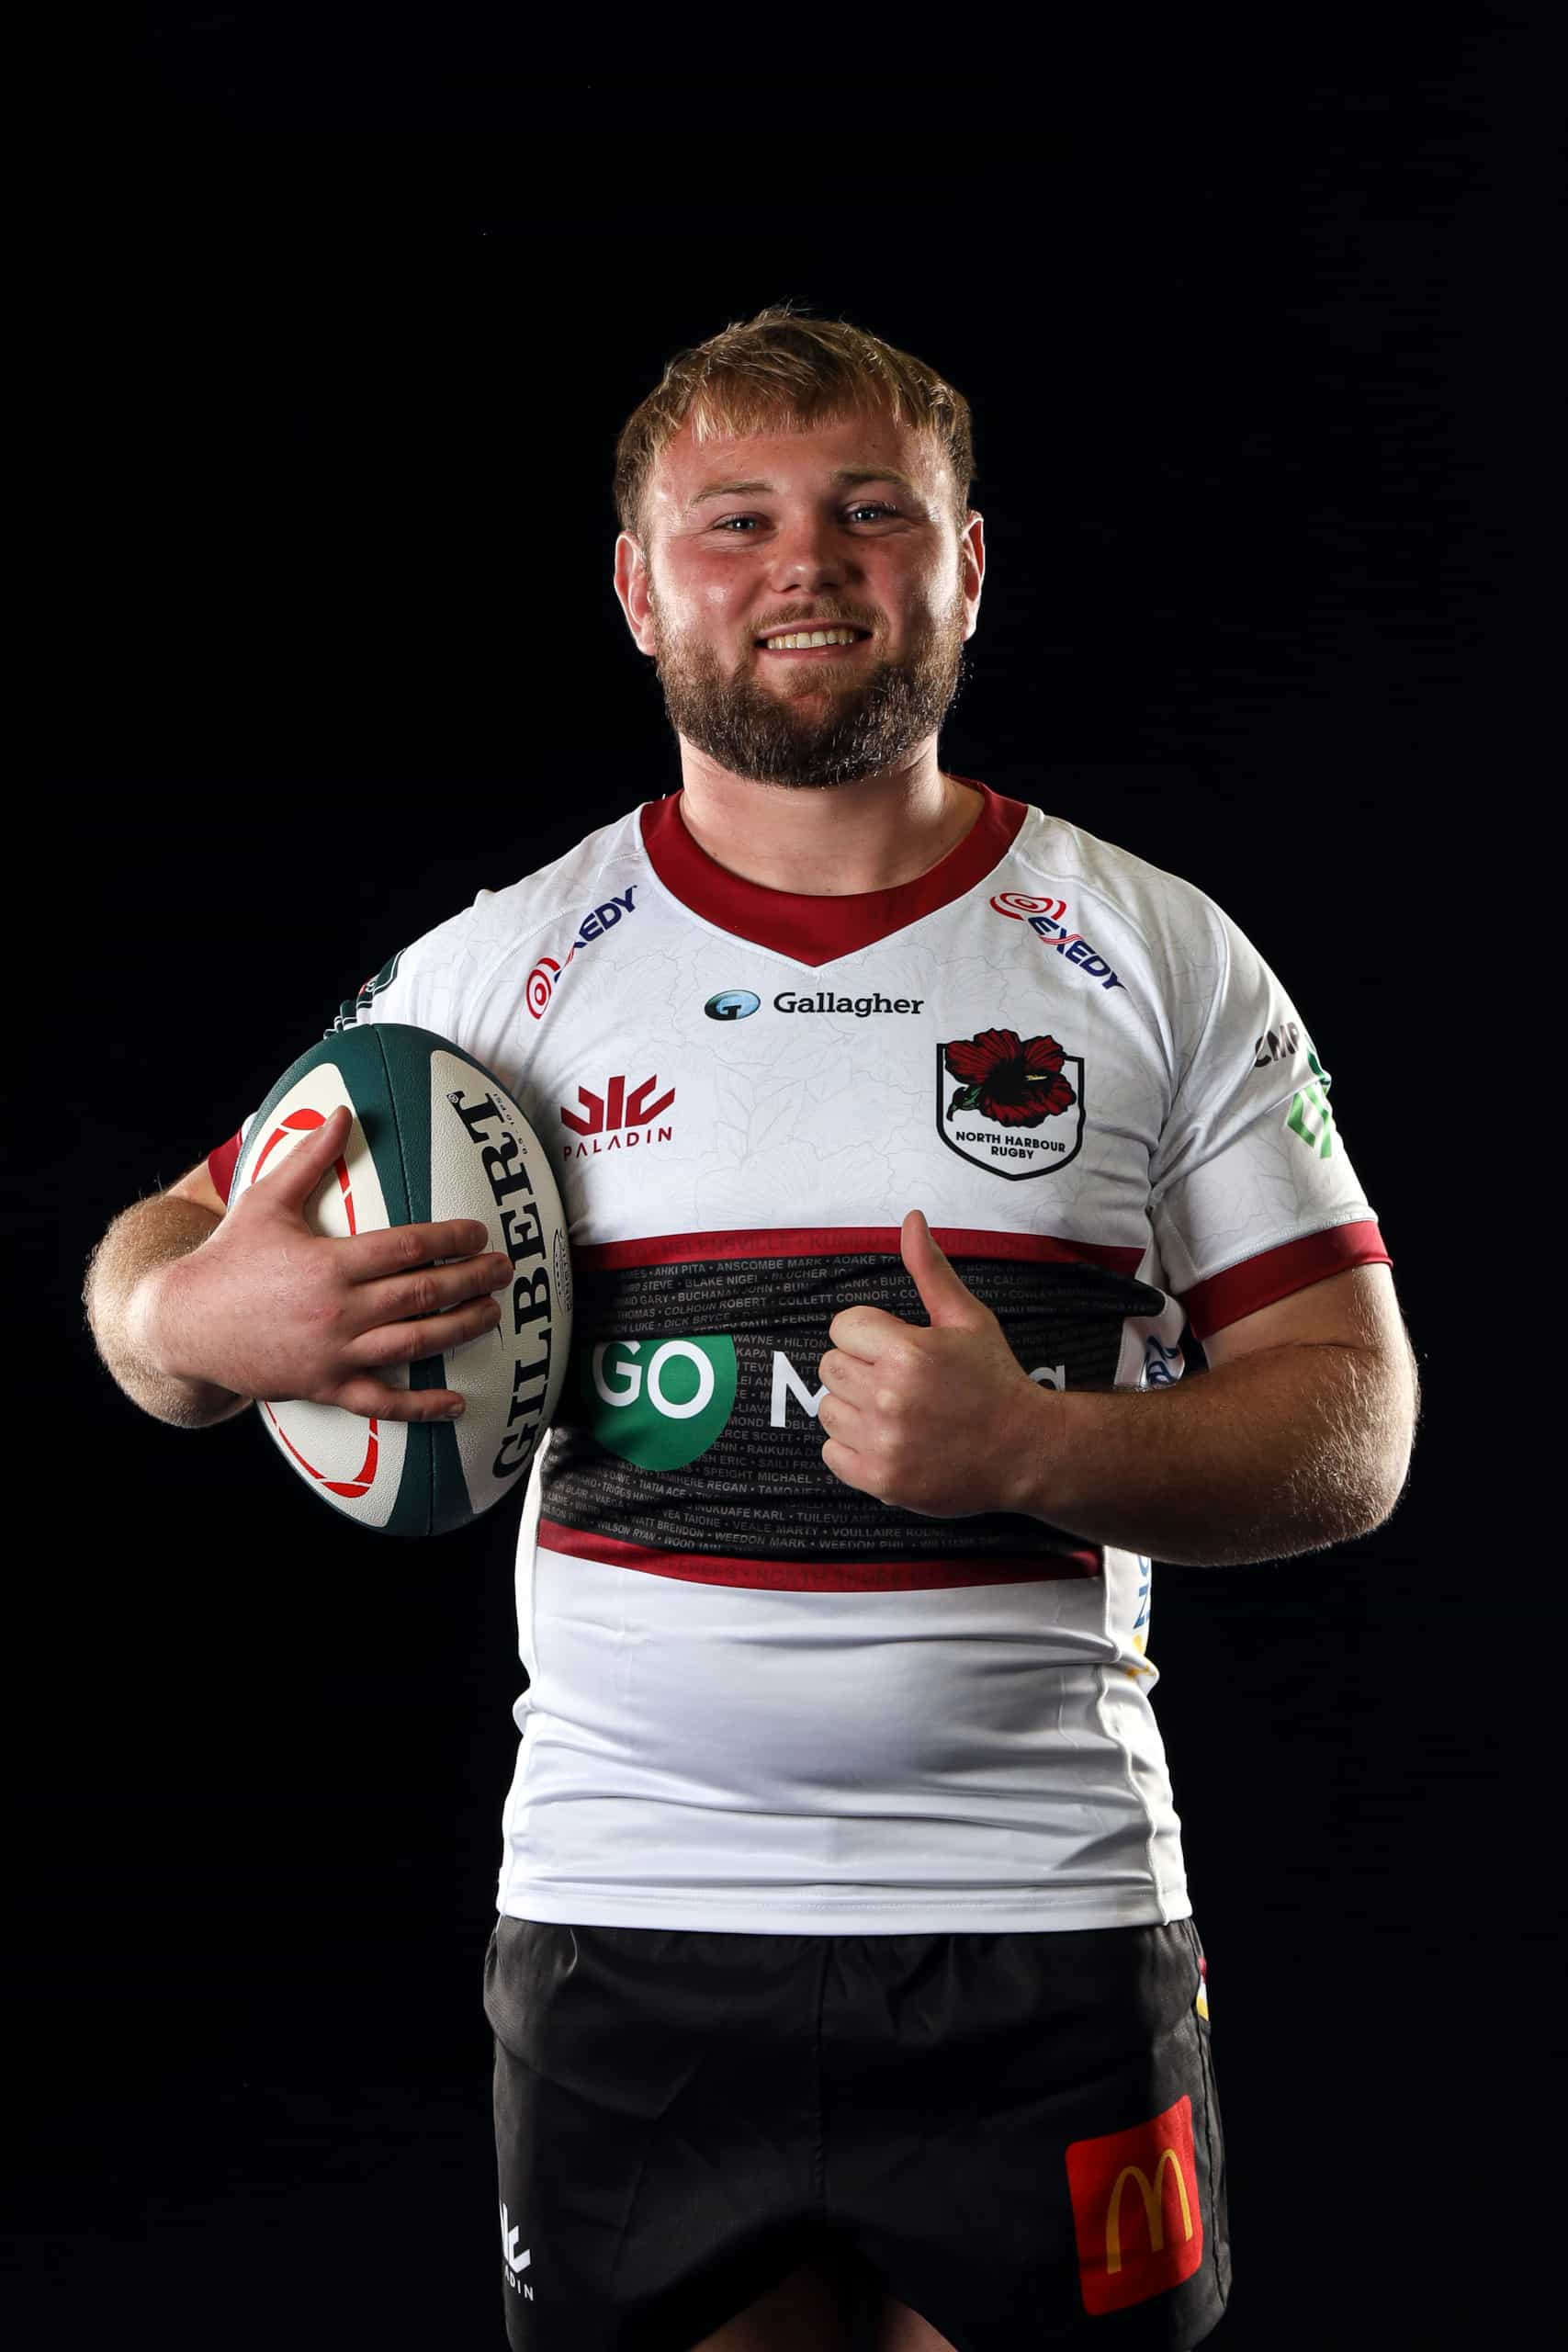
(1026, 1913)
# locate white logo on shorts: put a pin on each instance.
(515, 2262)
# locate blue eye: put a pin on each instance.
(871, 506)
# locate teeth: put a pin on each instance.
(815, 637)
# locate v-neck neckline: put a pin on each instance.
(812, 929)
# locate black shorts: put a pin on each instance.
(1018, 2132)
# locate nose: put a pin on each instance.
(809, 553)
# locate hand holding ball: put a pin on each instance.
(349, 1270)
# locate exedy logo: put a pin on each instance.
(616, 1116)
(539, 986)
(1045, 918)
(1013, 1110)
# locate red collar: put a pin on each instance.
(816, 930)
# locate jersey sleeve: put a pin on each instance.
(424, 985)
(1254, 1195)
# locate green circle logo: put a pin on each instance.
(658, 1403)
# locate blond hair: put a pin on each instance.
(781, 373)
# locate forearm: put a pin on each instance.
(120, 1294)
(1286, 1450)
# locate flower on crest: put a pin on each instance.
(1016, 1081)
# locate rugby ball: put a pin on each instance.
(435, 1134)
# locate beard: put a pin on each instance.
(812, 726)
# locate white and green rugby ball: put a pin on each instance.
(435, 1135)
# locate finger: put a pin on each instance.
(399, 1336)
(869, 1332)
(409, 1249)
(846, 1376)
(846, 1465)
(371, 1401)
(840, 1418)
(296, 1169)
(945, 1295)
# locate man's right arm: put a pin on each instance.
(128, 1301)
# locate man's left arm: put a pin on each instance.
(1299, 1435)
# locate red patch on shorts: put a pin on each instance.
(1135, 2210)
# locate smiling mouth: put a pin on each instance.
(813, 652)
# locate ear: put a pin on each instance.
(632, 577)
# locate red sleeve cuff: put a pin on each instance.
(221, 1164)
(1275, 1274)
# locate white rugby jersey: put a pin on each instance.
(759, 1699)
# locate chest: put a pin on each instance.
(686, 1080)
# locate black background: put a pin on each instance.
(327, 350)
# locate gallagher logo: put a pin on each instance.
(1009, 1087)
(540, 984)
(732, 1004)
(610, 1121)
(1045, 917)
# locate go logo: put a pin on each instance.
(658, 1403)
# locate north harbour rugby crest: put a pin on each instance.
(1011, 1104)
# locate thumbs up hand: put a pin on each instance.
(943, 1422)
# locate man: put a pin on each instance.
(845, 1987)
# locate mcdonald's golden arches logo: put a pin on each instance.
(1135, 2210)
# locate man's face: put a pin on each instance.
(726, 565)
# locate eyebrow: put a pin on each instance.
(846, 477)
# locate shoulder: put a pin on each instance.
(604, 864)
(1159, 908)
(437, 976)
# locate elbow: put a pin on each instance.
(1380, 1507)
(1392, 1421)
(1387, 1490)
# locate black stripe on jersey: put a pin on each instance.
(758, 1486)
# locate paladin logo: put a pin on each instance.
(515, 2263)
(610, 1121)
(1008, 1088)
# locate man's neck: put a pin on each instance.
(827, 842)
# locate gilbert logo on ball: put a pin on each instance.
(435, 1134)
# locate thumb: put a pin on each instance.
(946, 1298)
